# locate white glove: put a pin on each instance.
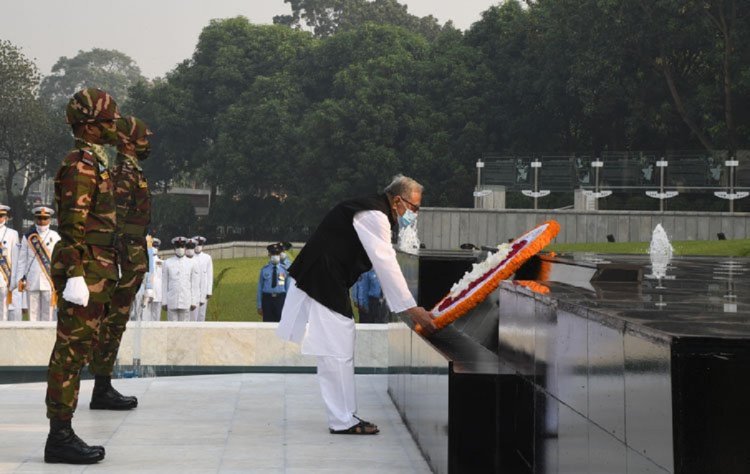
(148, 295)
(76, 291)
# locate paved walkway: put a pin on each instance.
(259, 423)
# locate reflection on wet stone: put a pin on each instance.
(592, 375)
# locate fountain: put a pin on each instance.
(660, 251)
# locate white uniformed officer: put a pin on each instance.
(153, 282)
(34, 263)
(206, 268)
(8, 251)
(180, 283)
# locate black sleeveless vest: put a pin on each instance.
(333, 258)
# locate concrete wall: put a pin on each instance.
(189, 344)
(447, 228)
(242, 249)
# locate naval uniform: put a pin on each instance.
(38, 291)
(353, 237)
(153, 281)
(8, 256)
(205, 266)
(180, 287)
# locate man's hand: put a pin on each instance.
(423, 318)
(192, 307)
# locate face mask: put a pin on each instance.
(275, 259)
(409, 218)
(190, 252)
(109, 137)
(198, 248)
(155, 250)
(283, 255)
(2, 223)
(180, 252)
(42, 228)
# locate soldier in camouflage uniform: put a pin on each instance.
(84, 266)
(133, 201)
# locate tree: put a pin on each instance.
(172, 215)
(327, 17)
(107, 69)
(29, 137)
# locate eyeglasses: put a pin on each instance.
(414, 207)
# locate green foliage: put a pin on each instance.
(285, 122)
(31, 141)
(106, 69)
(328, 17)
(171, 215)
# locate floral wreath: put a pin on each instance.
(484, 277)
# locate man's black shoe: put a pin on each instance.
(111, 399)
(105, 397)
(64, 446)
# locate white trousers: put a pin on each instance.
(178, 314)
(336, 379)
(15, 310)
(3, 303)
(40, 305)
(152, 311)
(199, 313)
(330, 336)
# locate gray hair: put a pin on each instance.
(403, 186)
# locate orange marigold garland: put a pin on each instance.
(473, 289)
(534, 286)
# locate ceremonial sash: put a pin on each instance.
(44, 259)
(5, 270)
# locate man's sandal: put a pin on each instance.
(361, 428)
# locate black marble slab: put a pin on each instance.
(656, 366)
(591, 375)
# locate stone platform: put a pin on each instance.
(258, 423)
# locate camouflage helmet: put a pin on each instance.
(131, 129)
(91, 105)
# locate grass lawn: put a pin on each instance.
(737, 248)
(235, 288)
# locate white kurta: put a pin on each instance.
(9, 248)
(180, 283)
(330, 333)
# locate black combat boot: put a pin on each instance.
(63, 446)
(105, 397)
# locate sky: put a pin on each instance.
(158, 34)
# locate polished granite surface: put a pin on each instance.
(609, 375)
(700, 296)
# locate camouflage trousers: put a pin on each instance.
(77, 335)
(104, 353)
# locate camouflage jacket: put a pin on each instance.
(85, 215)
(133, 200)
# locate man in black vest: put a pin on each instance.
(352, 238)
